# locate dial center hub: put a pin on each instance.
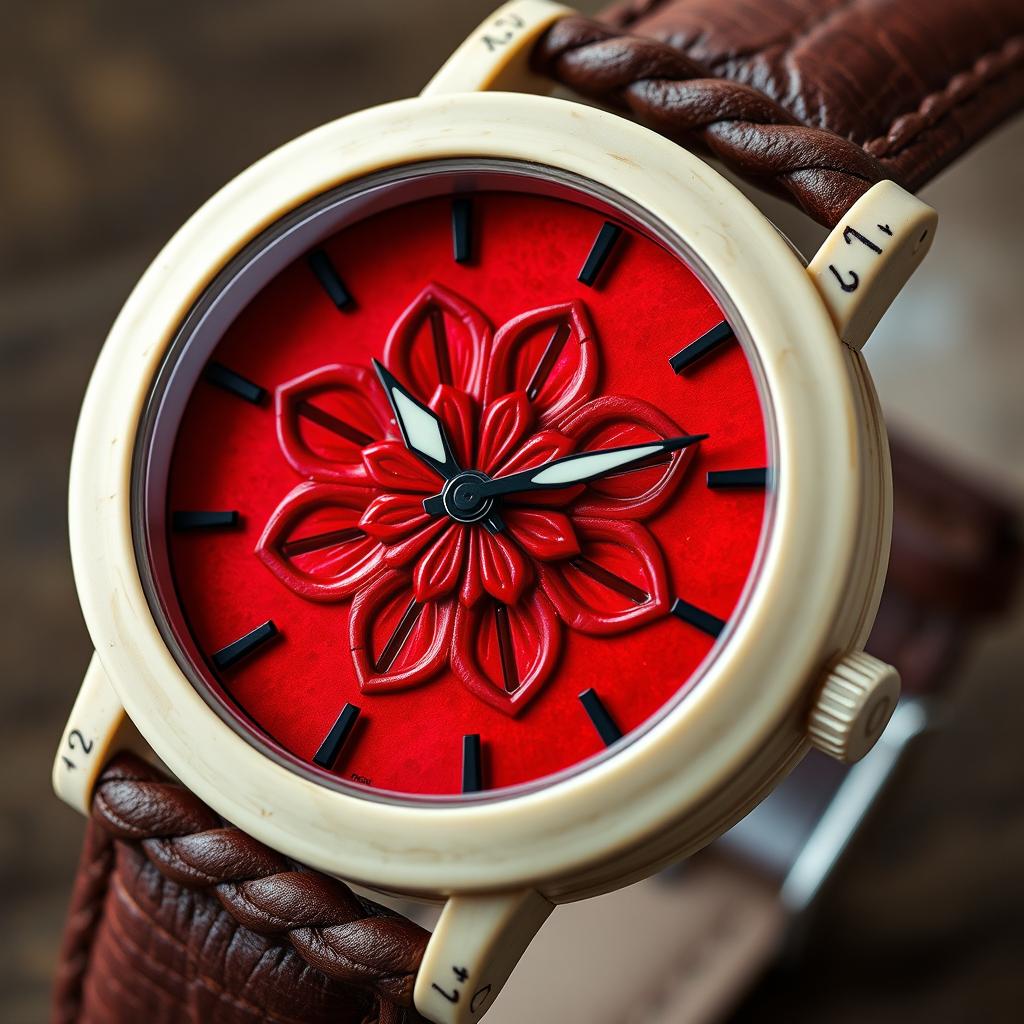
(462, 500)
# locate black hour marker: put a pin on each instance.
(462, 230)
(547, 360)
(319, 541)
(599, 253)
(204, 520)
(244, 645)
(704, 621)
(472, 764)
(397, 640)
(335, 739)
(608, 579)
(704, 345)
(599, 717)
(722, 478)
(227, 379)
(329, 278)
(324, 419)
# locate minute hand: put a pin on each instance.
(584, 466)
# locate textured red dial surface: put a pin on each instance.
(433, 629)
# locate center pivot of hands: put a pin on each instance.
(462, 498)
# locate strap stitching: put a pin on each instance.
(960, 87)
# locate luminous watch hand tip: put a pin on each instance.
(422, 430)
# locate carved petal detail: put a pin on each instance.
(505, 423)
(325, 418)
(458, 413)
(315, 545)
(441, 338)
(390, 517)
(437, 572)
(396, 641)
(472, 588)
(393, 467)
(505, 653)
(547, 535)
(555, 369)
(617, 582)
(505, 571)
(612, 421)
(402, 552)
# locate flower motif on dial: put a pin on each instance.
(428, 591)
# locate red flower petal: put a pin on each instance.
(314, 544)
(618, 581)
(539, 449)
(545, 535)
(613, 421)
(390, 517)
(504, 570)
(472, 588)
(441, 338)
(542, 447)
(437, 573)
(458, 413)
(402, 552)
(326, 417)
(505, 653)
(396, 641)
(556, 368)
(391, 465)
(505, 422)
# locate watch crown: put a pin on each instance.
(854, 705)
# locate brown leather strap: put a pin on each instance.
(178, 917)
(816, 99)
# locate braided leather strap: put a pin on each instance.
(291, 919)
(751, 134)
(814, 99)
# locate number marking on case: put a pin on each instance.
(502, 33)
(84, 745)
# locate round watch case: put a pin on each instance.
(715, 753)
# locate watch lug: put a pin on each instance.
(474, 948)
(497, 55)
(96, 722)
(869, 256)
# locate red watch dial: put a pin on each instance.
(427, 352)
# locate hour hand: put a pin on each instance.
(422, 431)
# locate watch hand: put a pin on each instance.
(422, 431)
(582, 467)
(423, 434)
(569, 470)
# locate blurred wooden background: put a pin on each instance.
(120, 118)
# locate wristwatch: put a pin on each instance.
(478, 501)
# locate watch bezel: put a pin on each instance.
(735, 733)
(194, 345)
